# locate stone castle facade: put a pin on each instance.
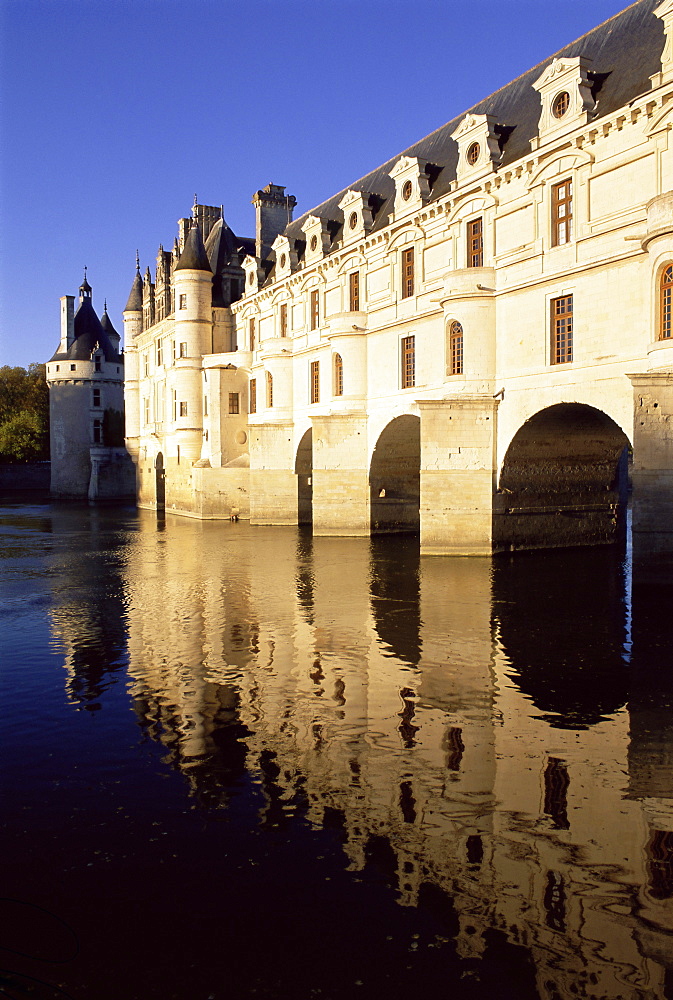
(472, 341)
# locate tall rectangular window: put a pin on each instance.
(315, 309)
(269, 389)
(561, 330)
(96, 397)
(146, 411)
(146, 364)
(253, 396)
(354, 291)
(183, 350)
(173, 349)
(183, 301)
(407, 273)
(205, 406)
(174, 404)
(283, 319)
(251, 327)
(338, 375)
(475, 243)
(158, 354)
(315, 381)
(562, 213)
(408, 362)
(233, 402)
(183, 409)
(98, 432)
(456, 349)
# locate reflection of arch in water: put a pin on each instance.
(303, 468)
(563, 481)
(394, 477)
(561, 619)
(395, 596)
(160, 475)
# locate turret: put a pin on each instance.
(133, 324)
(193, 285)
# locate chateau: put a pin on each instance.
(473, 341)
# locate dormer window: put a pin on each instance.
(96, 362)
(412, 184)
(479, 151)
(561, 104)
(407, 190)
(358, 216)
(352, 220)
(314, 243)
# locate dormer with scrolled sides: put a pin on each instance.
(318, 239)
(665, 12)
(286, 257)
(412, 185)
(567, 96)
(254, 275)
(479, 151)
(358, 215)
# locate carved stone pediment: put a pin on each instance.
(478, 146)
(286, 256)
(358, 217)
(318, 238)
(565, 89)
(412, 185)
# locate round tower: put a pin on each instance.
(193, 284)
(133, 324)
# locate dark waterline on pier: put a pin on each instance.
(243, 762)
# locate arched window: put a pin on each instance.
(455, 349)
(338, 375)
(666, 314)
(269, 389)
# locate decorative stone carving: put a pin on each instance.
(358, 217)
(318, 238)
(565, 89)
(412, 185)
(478, 146)
(286, 256)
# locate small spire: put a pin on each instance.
(137, 262)
(194, 208)
(85, 269)
(104, 305)
(222, 212)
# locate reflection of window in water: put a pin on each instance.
(556, 782)
(555, 902)
(454, 746)
(407, 802)
(406, 729)
(475, 849)
(660, 863)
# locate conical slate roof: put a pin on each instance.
(194, 256)
(106, 323)
(135, 299)
(89, 336)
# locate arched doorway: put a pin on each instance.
(304, 470)
(394, 477)
(160, 476)
(563, 481)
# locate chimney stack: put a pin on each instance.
(67, 322)
(273, 209)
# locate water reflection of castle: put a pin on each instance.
(432, 712)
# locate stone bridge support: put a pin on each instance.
(458, 439)
(340, 474)
(273, 483)
(653, 461)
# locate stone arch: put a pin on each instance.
(394, 477)
(303, 467)
(563, 481)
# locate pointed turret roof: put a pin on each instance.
(106, 323)
(194, 256)
(90, 334)
(135, 299)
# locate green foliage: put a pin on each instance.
(24, 414)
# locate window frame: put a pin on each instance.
(183, 410)
(252, 332)
(408, 361)
(234, 403)
(283, 319)
(354, 291)
(456, 357)
(408, 272)
(665, 304)
(269, 390)
(314, 381)
(314, 309)
(475, 242)
(252, 396)
(561, 330)
(562, 213)
(338, 369)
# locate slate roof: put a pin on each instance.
(106, 323)
(135, 299)
(89, 335)
(624, 51)
(193, 257)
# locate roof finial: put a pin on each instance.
(104, 305)
(194, 209)
(137, 262)
(222, 212)
(85, 272)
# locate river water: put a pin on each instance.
(243, 762)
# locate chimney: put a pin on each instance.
(67, 322)
(273, 209)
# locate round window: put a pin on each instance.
(353, 220)
(561, 104)
(406, 190)
(283, 260)
(473, 153)
(314, 242)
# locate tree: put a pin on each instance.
(24, 414)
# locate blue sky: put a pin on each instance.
(116, 112)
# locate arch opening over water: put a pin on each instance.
(563, 481)
(303, 468)
(395, 477)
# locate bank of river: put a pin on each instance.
(242, 762)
